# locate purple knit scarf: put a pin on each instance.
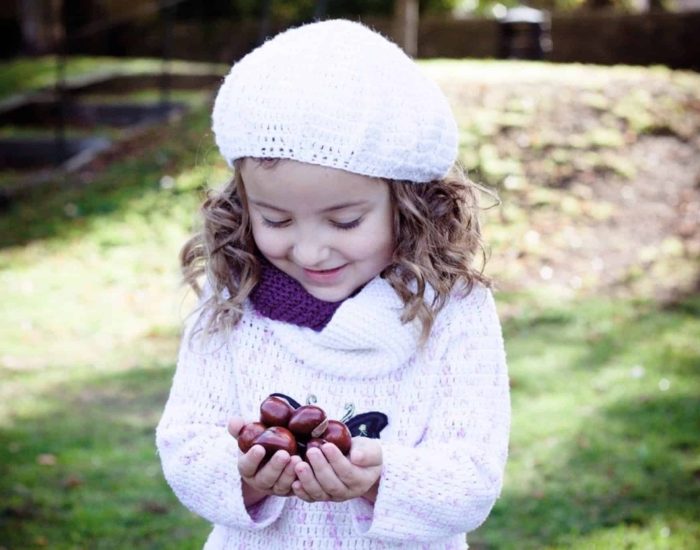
(281, 298)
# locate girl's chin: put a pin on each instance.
(329, 295)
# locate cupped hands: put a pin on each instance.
(327, 475)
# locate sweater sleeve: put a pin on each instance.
(198, 456)
(448, 483)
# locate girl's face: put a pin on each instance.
(329, 229)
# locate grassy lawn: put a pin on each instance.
(25, 74)
(606, 386)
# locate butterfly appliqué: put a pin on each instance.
(368, 424)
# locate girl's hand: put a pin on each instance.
(274, 478)
(331, 476)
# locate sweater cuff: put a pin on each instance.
(266, 511)
(362, 513)
(375, 520)
(408, 507)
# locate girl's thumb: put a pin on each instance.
(234, 426)
(365, 452)
(357, 457)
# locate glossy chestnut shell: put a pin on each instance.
(338, 434)
(249, 434)
(308, 421)
(281, 427)
(275, 411)
(276, 439)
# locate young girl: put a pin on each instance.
(339, 271)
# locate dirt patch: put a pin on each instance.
(598, 171)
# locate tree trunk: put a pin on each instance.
(599, 4)
(41, 25)
(34, 37)
(406, 25)
(265, 20)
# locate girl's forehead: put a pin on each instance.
(290, 182)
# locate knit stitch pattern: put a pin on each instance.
(280, 297)
(444, 449)
(336, 94)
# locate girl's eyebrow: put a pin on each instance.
(265, 205)
(329, 209)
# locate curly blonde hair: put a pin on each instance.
(437, 234)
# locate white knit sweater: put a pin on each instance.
(444, 449)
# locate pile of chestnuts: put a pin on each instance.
(282, 427)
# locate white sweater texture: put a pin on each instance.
(444, 449)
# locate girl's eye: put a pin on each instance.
(347, 225)
(270, 223)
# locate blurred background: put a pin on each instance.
(582, 116)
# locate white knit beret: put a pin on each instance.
(335, 93)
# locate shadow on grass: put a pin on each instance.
(629, 468)
(83, 472)
(630, 465)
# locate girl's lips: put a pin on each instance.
(323, 276)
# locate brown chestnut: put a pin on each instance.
(338, 434)
(275, 411)
(248, 434)
(276, 439)
(308, 421)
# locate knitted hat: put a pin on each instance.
(337, 94)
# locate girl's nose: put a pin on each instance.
(309, 252)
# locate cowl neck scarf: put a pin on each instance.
(279, 297)
(361, 336)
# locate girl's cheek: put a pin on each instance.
(269, 244)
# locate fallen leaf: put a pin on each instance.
(46, 459)
(153, 507)
(72, 481)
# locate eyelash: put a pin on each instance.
(269, 223)
(338, 225)
(347, 225)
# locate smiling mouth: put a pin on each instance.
(323, 275)
(323, 270)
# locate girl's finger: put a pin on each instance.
(309, 482)
(287, 477)
(344, 470)
(249, 463)
(268, 475)
(298, 489)
(325, 474)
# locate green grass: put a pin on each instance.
(92, 307)
(28, 74)
(604, 452)
(606, 391)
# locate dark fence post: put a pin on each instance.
(166, 14)
(525, 33)
(320, 9)
(60, 39)
(265, 16)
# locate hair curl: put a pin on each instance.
(436, 228)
